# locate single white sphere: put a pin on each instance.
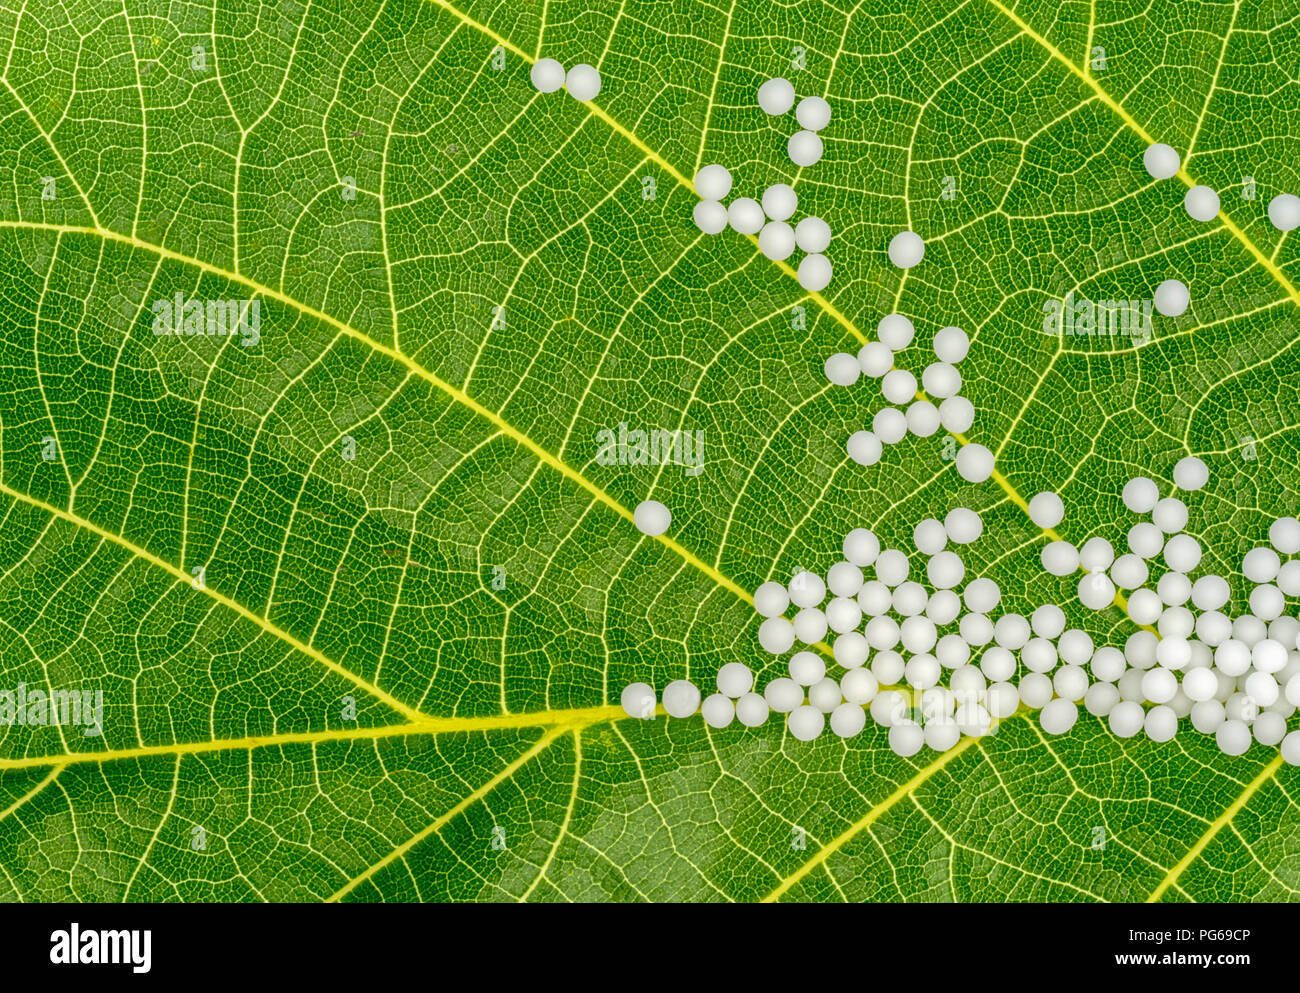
(945, 570)
(922, 418)
(814, 273)
(824, 695)
(1172, 297)
(1177, 622)
(851, 649)
(906, 249)
(889, 425)
(583, 82)
(783, 695)
(1182, 553)
(1129, 571)
(844, 579)
(638, 700)
(776, 96)
(1261, 565)
(892, 567)
(1169, 515)
(864, 448)
(1070, 683)
(951, 345)
(1269, 656)
(1145, 540)
(713, 182)
(547, 75)
(812, 235)
(807, 589)
(1108, 664)
(1207, 716)
(1269, 729)
(1191, 473)
(1075, 646)
(806, 668)
(1096, 555)
(875, 358)
(861, 547)
(975, 629)
(771, 599)
(1126, 719)
(1201, 203)
(942, 734)
(745, 215)
(1284, 212)
(1291, 743)
(1267, 602)
(780, 201)
(1284, 535)
(974, 720)
(1039, 655)
(1036, 690)
(1002, 699)
(1048, 621)
(874, 598)
(922, 671)
(1262, 688)
(1060, 558)
(974, 463)
(1159, 685)
(882, 633)
(1213, 628)
(859, 686)
(941, 380)
(957, 414)
(952, 651)
(776, 635)
(1288, 578)
(848, 720)
(1161, 723)
(1232, 658)
(1249, 629)
(906, 738)
(982, 595)
(805, 148)
(1210, 592)
(1140, 494)
(895, 331)
(1161, 161)
(929, 536)
(888, 668)
(751, 710)
(1011, 631)
(710, 216)
(898, 386)
(1233, 737)
(888, 707)
(681, 698)
(1241, 707)
(967, 683)
(1140, 649)
(1174, 589)
(943, 608)
(1100, 699)
(1130, 686)
(1046, 510)
(963, 525)
(806, 723)
(1058, 716)
(651, 518)
(735, 680)
(1200, 684)
(776, 241)
(813, 113)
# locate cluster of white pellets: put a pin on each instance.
(582, 81)
(908, 410)
(769, 218)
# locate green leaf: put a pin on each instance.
(398, 677)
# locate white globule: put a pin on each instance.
(745, 215)
(681, 698)
(844, 579)
(771, 599)
(975, 629)
(713, 182)
(1011, 631)
(861, 547)
(582, 82)
(1284, 212)
(892, 567)
(895, 331)
(1145, 540)
(783, 695)
(807, 589)
(806, 722)
(864, 448)
(810, 626)
(1261, 564)
(1129, 571)
(805, 148)
(1284, 535)
(922, 418)
(982, 595)
(957, 414)
(1182, 553)
(806, 668)
(776, 635)
(906, 738)
(1174, 589)
(848, 720)
(638, 700)
(825, 695)
(651, 518)
(963, 525)
(943, 608)
(1172, 298)
(1233, 737)
(951, 345)
(1140, 494)
(1096, 555)
(1048, 621)
(814, 273)
(929, 536)
(851, 649)
(813, 113)
(547, 75)
(1201, 203)
(889, 425)
(1191, 473)
(945, 570)
(776, 96)
(752, 710)
(735, 680)
(859, 686)
(1046, 509)
(1161, 161)
(1058, 716)
(1161, 723)
(941, 380)
(710, 217)
(975, 463)
(875, 358)
(780, 201)
(906, 249)
(898, 386)
(1060, 558)
(842, 369)
(776, 242)
(812, 235)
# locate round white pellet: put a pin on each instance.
(1172, 297)
(922, 671)
(1174, 588)
(807, 589)
(776, 241)
(1269, 729)
(806, 668)
(1201, 203)
(1284, 212)
(974, 463)
(963, 525)
(941, 380)
(1182, 553)
(889, 425)
(875, 358)
(1267, 602)
(895, 331)
(1200, 684)
(851, 648)
(864, 448)
(906, 738)
(812, 235)
(681, 698)
(1048, 621)
(814, 273)
(892, 567)
(1284, 535)
(1191, 473)
(1232, 658)
(1129, 571)
(780, 201)
(882, 633)
(824, 695)
(771, 599)
(1075, 646)
(929, 536)
(922, 418)
(1108, 664)
(859, 686)
(813, 113)
(844, 579)
(1039, 655)
(1058, 716)
(735, 680)
(1260, 565)
(651, 518)
(713, 182)
(888, 668)
(1011, 631)
(1035, 690)
(776, 635)
(874, 598)
(1161, 161)
(981, 595)
(952, 651)
(751, 710)
(1145, 540)
(745, 215)
(638, 700)
(1096, 555)
(1210, 592)
(710, 216)
(861, 547)
(1207, 716)
(1159, 685)
(1177, 622)
(806, 723)
(1060, 558)
(941, 734)
(898, 386)
(776, 96)
(783, 695)
(1100, 699)
(1140, 649)
(1233, 737)
(848, 720)
(583, 82)
(1046, 509)
(957, 414)
(547, 75)
(1144, 606)
(1003, 699)
(945, 570)
(943, 608)
(1126, 719)
(1288, 578)
(906, 249)
(1161, 723)
(1169, 515)
(974, 720)
(1262, 688)
(1269, 656)
(1249, 629)
(975, 629)
(805, 148)
(1140, 494)
(1291, 743)
(1070, 683)
(951, 345)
